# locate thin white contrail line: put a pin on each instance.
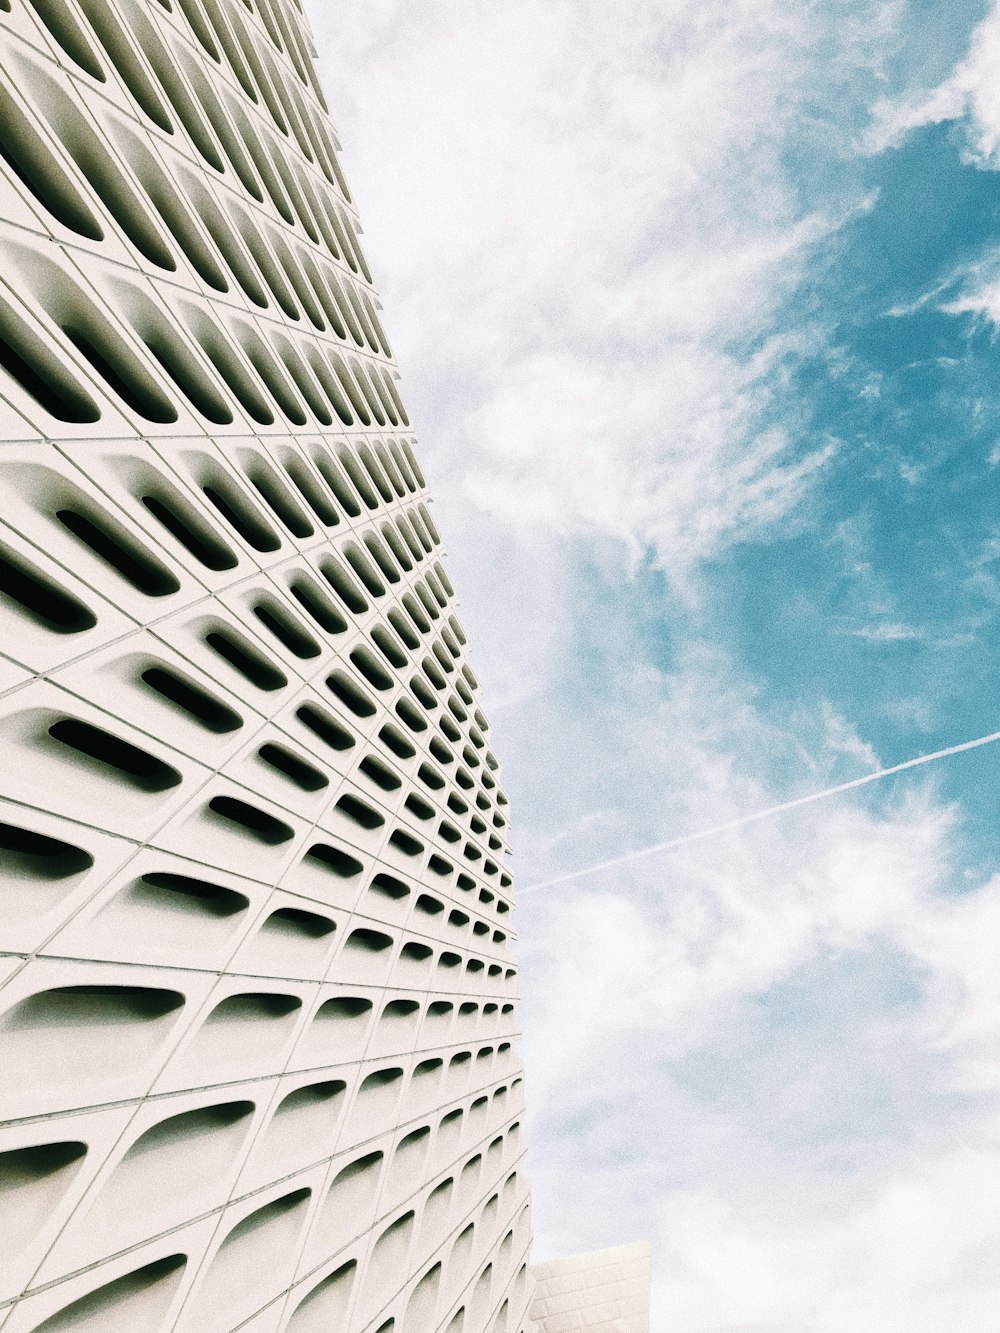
(760, 814)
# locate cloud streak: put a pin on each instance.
(742, 821)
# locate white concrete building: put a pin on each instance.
(604, 1291)
(257, 1002)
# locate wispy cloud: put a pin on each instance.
(616, 248)
(889, 632)
(971, 92)
(598, 232)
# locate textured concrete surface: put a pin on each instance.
(257, 1000)
(604, 1291)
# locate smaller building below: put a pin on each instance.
(604, 1291)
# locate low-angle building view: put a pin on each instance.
(498, 739)
(259, 1008)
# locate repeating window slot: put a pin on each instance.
(286, 628)
(392, 472)
(144, 1294)
(363, 567)
(430, 777)
(382, 557)
(406, 843)
(306, 383)
(423, 694)
(306, 485)
(257, 823)
(410, 714)
(401, 463)
(380, 774)
(225, 359)
(330, 385)
(440, 751)
(231, 48)
(276, 495)
(394, 739)
(449, 728)
(227, 240)
(247, 150)
(122, 373)
(321, 724)
(293, 767)
(343, 585)
(27, 854)
(245, 658)
(174, 210)
(365, 940)
(368, 392)
(339, 291)
(199, 26)
(41, 598)
(33, 1180)
(175, 359)
(402, 627)
(389, 886)
(411, 459)
(205, 708)
(326, 1305)
(295, 921)
(253, 61)
(273, 276)
(168, 76)
(430, 670)
(359, 478)
(241, 516)
(109, 541)
(67, 30)
(426, 601)
(333, 859)
(389, 646)
(410, 537)
(164, 888)
(333, 477)
(324, 295)
(38, 168)
(122, 55)
(268, 368)
(342, 687)
(316, 604)
(351, 389)
(418, 806)
(138, 767)
(373, 672)
(359, 812)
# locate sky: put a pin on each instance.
(696, 307)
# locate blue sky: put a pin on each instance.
(696, 307)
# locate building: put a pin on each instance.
(258, 1005)
(605, 1291)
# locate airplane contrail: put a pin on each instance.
(757, 815)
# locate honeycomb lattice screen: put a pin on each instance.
(258, 1004)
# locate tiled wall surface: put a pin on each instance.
(605, 1291)
(257, 1001)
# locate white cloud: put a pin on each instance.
(971, 91)
(889, 632)
(599, 230)
(585, 228)
(882, 1219)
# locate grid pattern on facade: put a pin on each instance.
(603, 1291)
(258, 1006)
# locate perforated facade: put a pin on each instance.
(258, 1005)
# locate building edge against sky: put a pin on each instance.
(258, 1001)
